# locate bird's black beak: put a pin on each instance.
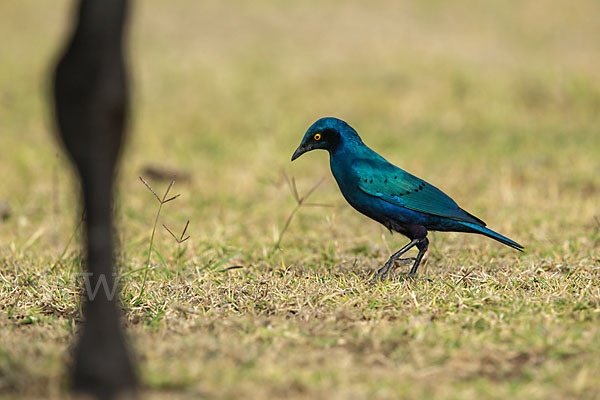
(299, 151)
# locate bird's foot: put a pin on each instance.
(381, 273)
(387, 267)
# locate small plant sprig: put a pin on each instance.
(182, 238)
(161, 201)
(300, 201)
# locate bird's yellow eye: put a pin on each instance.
(318, 136)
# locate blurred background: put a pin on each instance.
(497, 103)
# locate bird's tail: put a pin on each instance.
(491, 234)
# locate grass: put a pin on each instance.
(494, 102)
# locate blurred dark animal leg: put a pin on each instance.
(90, 93)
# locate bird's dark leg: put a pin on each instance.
(383, 271)
(422, 245)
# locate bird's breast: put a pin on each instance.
(348, 182)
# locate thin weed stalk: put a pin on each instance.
(300, 201)
(161, 201)
(182, 238)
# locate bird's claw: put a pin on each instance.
(387, 267)
(381, 273)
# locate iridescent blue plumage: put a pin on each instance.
(380, 190)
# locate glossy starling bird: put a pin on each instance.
(389, 195)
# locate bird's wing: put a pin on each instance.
(381, 179)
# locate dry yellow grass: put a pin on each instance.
(496, 103)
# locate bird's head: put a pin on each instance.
(326, 133)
